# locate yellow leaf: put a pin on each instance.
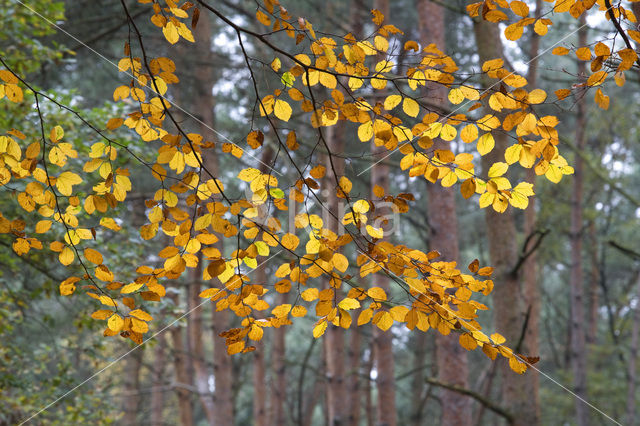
(514, 31)
(375, 232)
(66, 256)
(340, 262)
(486, 144)
(235, 347)
(130, 288)
(469, 133)
(319, 329)
(520, 8)
(282, 110)
(281, 310)
(141, 315)
(101, 314)
(597, 78)
(298, 311)
(93, 256)
(392, 101)
(410, 107)
(310, 294)
(365, 131)
(560, 51)
(348, 304)
(108, 301)
(383, 320)
(170, 32)
(115, 323)
(361, 206)
(365, 316)
(468, 342)
(377, 293)
(290, 241)
(65, 182)
(516, 365)
(512, 154)
(139, 326)
(498, 339)
(498, 169)
(456, 96)
(263, 18)
(43, 226)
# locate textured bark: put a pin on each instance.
(353, 389)
(131, 404)
(594, 284)
(530, 267)
(633, 356)
(578, 349)
(183, 382)
(278, 388)
(196, 348)
(383, 340)
(417, 379)
(158, 380)
(451, 358)
(334, 346)
(259, 385)
(509, 299)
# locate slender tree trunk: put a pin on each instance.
(367, 389)
(185, 409)
(278, 394)
(633, 356)
(158, 381)
(417, 380)
(530, 267)
(201, 372)
(576, 280)
(334, 346)
(510, 311)
(131, 403)
(383, 340)
(353, 390)
(451, 358)
(204, 103)
(594, 284)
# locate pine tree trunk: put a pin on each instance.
(278, 394)
(510, 309)
(530, 266)
(578, 351)
(185, 409)
(334, 345)
(353, 390)
(451, 358)
(633, 356)
(131, 404)
(158, 381)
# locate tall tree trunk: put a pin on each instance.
(183, 383)
(131, 403)
(576, 280)
(417, 380)
(594, 284)
(353, 390)
(334, 346)
(451, 358)
(530, 266)
(510, 310)
(633, 356)
(196, 348)
(204, 104)
(278, 394)
(383, 340)
(158, 380)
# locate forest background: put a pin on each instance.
(566, 277)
